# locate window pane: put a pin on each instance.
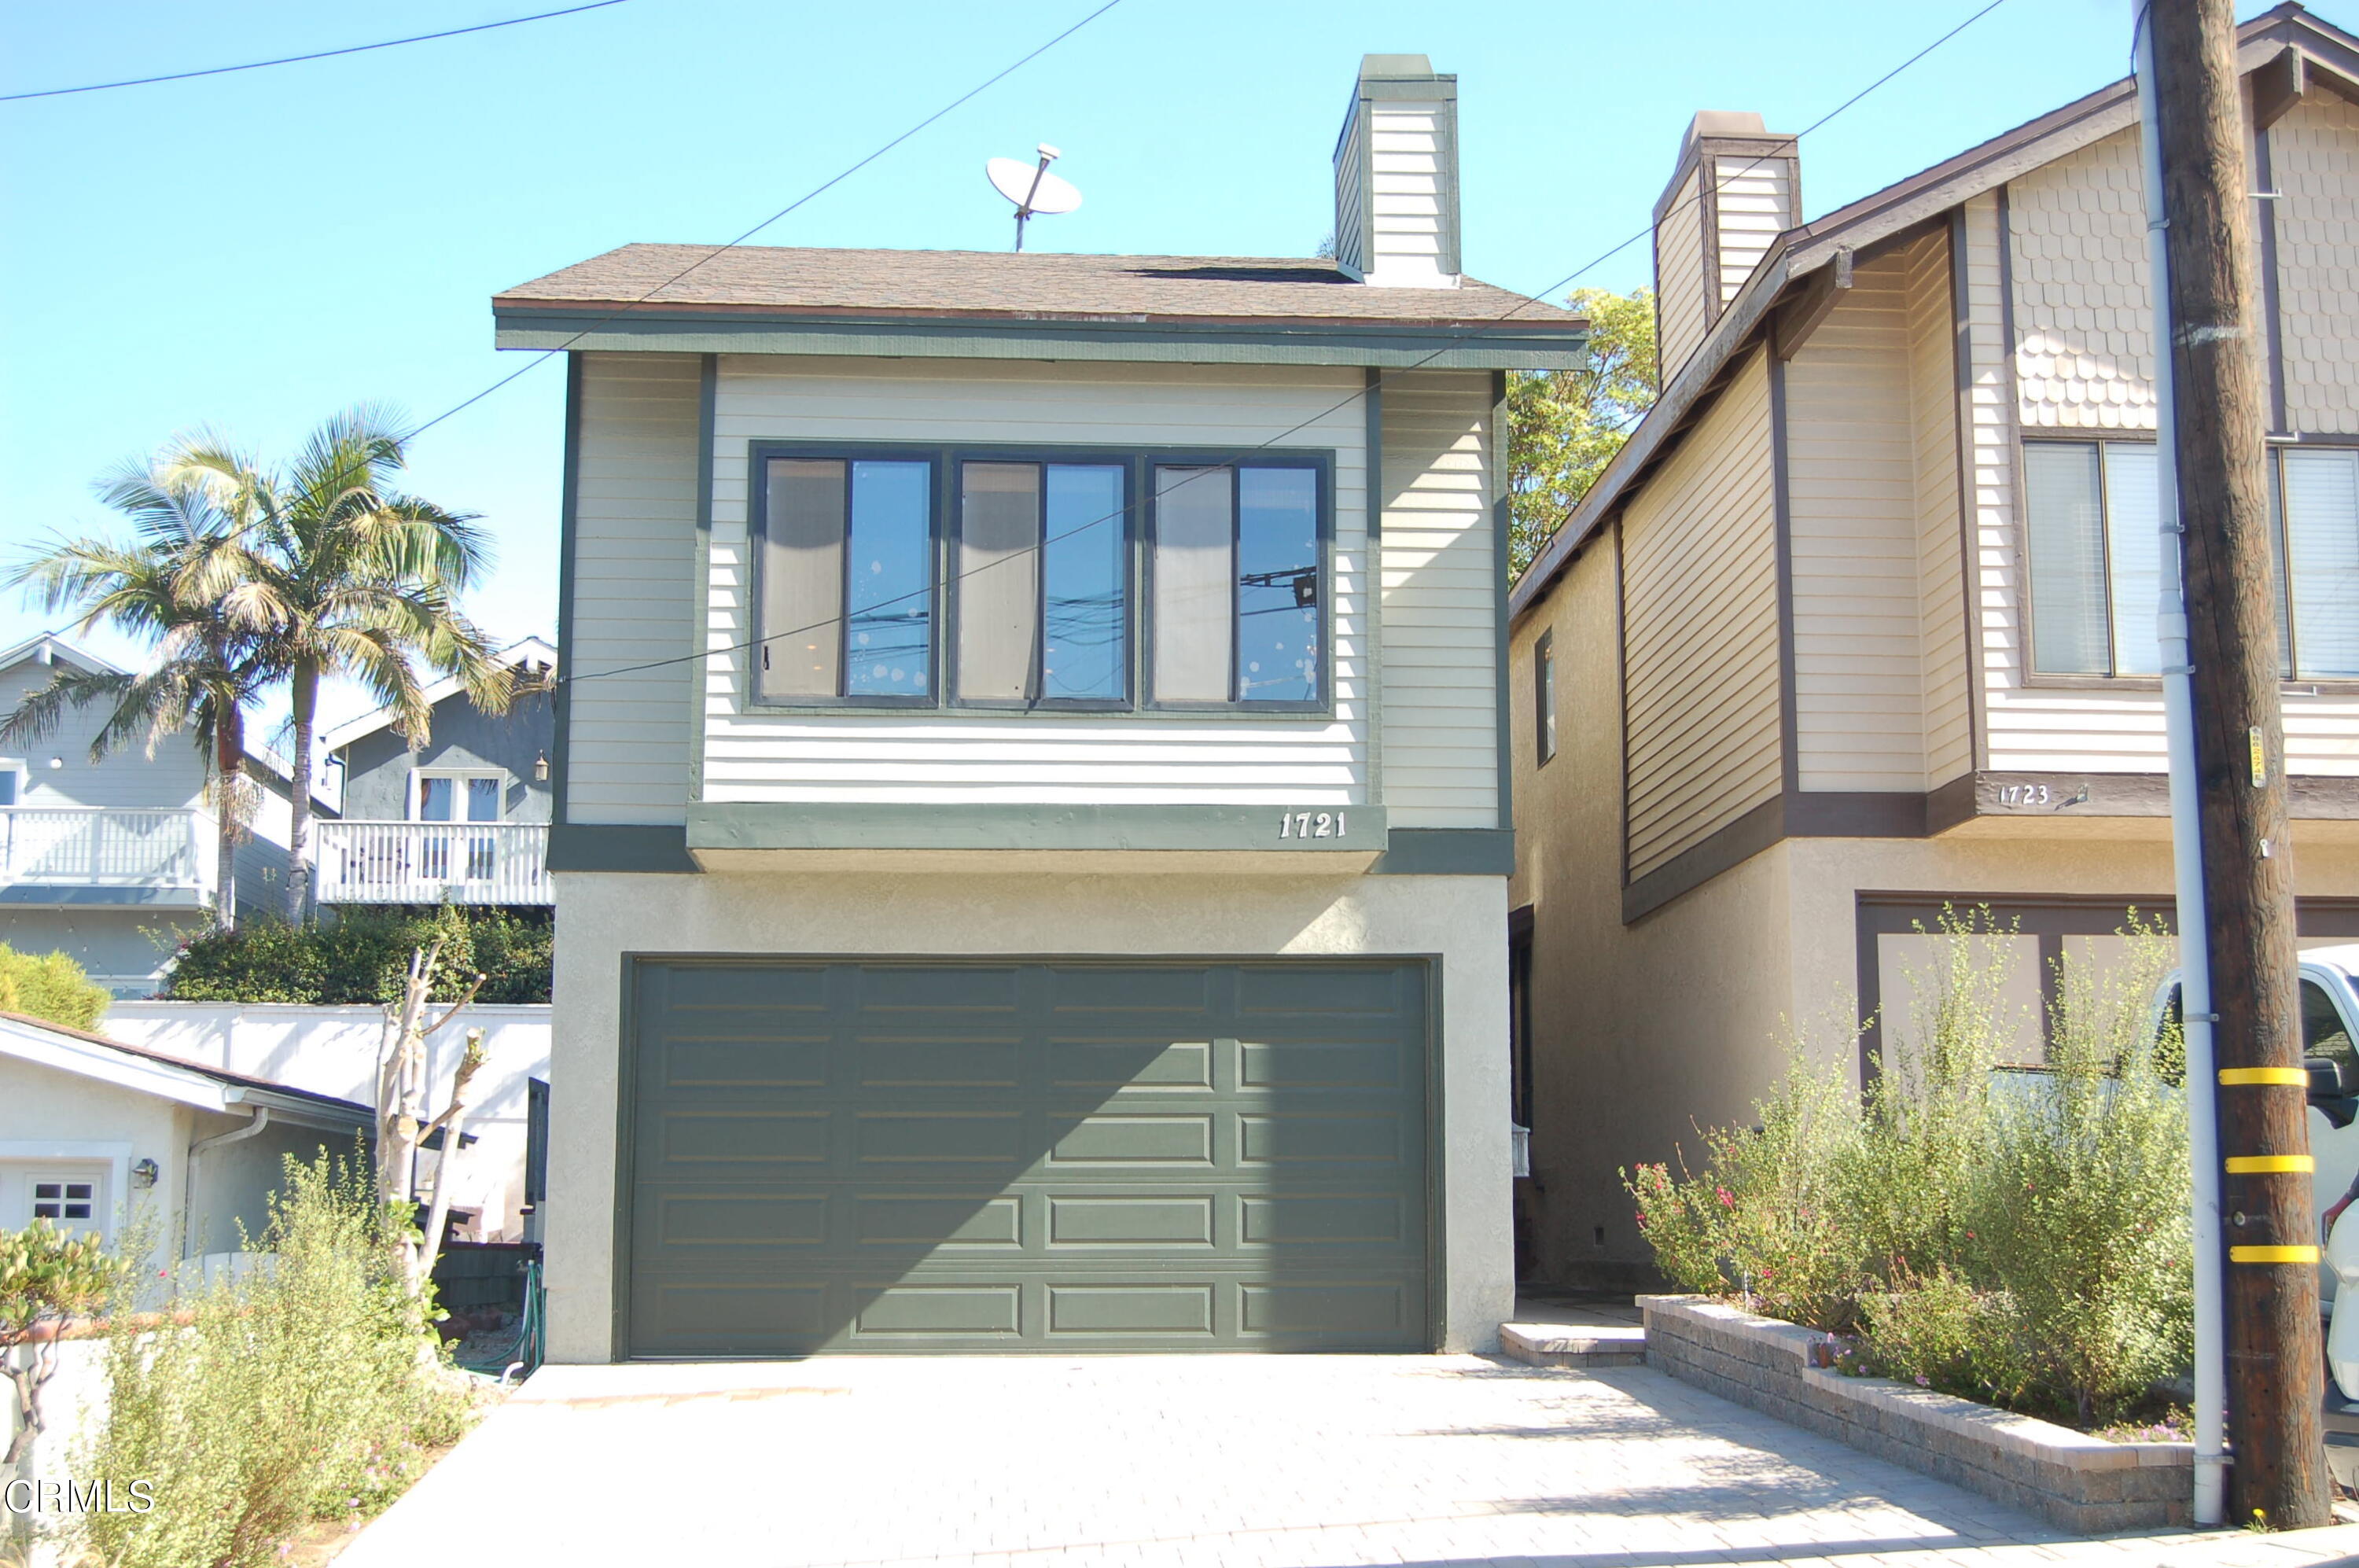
(1087, 640)
(2132, 521)
(890, 649)
(802, 579)
(1545, 684)
(435, 797)
(2321, 500)
(1193, 551)
(8, 777)
(998, 565)
(2068, 558)
(1278, 612)
(482, 799)
(2278, 566)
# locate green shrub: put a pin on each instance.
(306, 1388)
(49, 986)
(2021, 1237)
(360, 957)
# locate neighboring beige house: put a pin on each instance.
(1029, 824)
(1860, 623)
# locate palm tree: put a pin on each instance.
(341, 574)
(174, 588)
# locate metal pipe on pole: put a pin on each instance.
(2186, 844)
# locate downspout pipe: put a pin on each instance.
(196, 1156)
(2195, 1009)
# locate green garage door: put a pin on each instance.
(1056, 1157)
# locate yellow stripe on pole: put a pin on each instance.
(2268, 1164)
(2238, 1077)
(2273, 1254)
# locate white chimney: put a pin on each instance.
(1737, 187)
(1397, 176)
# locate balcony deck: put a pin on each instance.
(432, 863)
(104, 847)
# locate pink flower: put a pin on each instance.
(1923, 1381)
(1727, 1200)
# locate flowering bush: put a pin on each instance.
(2017, 1237)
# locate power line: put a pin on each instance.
(815, 191)
(298, 58)
(1122, 512)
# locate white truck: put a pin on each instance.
(2330, 1026)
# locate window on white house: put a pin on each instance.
(65, 1201)
(1543, 695)
(1017, 572)
(459, 797)
(847, 571)
(2096, 558)
(12, 783)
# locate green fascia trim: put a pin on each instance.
(620, 846)
(1448, 851)
(42, 896)
(1426, 347)
(859, 825)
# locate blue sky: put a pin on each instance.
(251, 252)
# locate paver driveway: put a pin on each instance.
(1290, 1462)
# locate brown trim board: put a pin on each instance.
(1829, 813)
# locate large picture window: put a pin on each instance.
(2096, 558)
(1080, 580)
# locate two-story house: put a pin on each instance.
(1861, 623)
(1030, 830)
(115, 862)
(459, 813)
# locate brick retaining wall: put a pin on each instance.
(2077, 1482)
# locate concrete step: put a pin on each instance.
(1572, 1344)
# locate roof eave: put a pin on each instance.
(1493, 344)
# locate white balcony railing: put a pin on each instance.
(100, 847)
(427, 863)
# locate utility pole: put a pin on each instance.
(2275, 1388)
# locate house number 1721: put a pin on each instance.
(1311, 824)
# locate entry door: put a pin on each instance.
(1061, 1156)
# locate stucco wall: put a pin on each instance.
(1460, 920)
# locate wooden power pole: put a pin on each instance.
(2276, 1371)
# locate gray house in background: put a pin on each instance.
(461, 815)
(114, 863)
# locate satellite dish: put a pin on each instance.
(1031, 187)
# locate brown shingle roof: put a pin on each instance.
(1034, 286)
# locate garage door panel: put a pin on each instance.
(1093, 1157)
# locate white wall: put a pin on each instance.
(333, 1051)
(1460, 919)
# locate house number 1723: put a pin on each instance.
(1311, 824)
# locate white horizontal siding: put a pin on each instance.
(1405, 217)
(633, 591)
(1679, 278)
(1754, 202)
(1940, 567)
(129, 779)
(1700, 616)
(1440, 602)
(1851, 496)
(753, 756)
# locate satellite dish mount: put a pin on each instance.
(1034, 191)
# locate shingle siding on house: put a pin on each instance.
(2314, 153)
(634, 600)
(755, 756)
(1700, 609)
(1441, 602)
(2084, 339)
